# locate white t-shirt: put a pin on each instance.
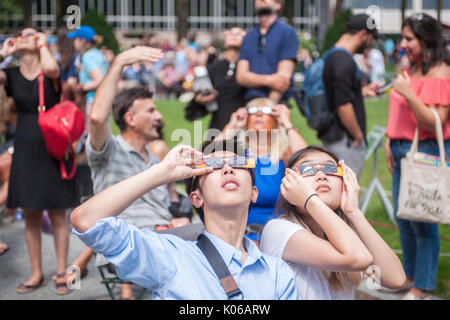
(310, 281)
(376, 61)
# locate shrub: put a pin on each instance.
(336, 30)
(98, 22)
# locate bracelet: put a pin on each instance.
(289, 129)
(314, 194)
(42, 45)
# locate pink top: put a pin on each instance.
(402, 123)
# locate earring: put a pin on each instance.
(427, 55)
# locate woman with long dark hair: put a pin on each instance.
(424, 86)
(322, 233)
(69, 72)
(35, 182)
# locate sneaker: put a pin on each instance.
(404, 288)
(410, 296)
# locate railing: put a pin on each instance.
(159, 15)
(375, 143)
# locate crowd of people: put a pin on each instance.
(284, 216)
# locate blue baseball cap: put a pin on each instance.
(52, 40)
(83, 32)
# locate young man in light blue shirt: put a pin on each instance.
(169, 266)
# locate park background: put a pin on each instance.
(319, 24)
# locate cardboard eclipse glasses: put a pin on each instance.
(262, 109)
(306, 170)
(234, 162)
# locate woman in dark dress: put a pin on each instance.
(222, 75)
(35, 181)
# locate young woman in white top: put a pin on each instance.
(322, 233)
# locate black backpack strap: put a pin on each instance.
(215, 260)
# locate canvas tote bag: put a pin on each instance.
(425, 189)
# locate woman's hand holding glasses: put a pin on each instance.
(350, 190)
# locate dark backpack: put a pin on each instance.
(313, 102)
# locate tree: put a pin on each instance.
(336, 30)
(338, 8)
(181, 11)
(98, 22)
(61, 10)
(439, 10)
(7, 9)
(403, 9)
(27, 16)
(289, 10)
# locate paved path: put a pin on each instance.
(15, 268)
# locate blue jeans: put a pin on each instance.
(420, 241)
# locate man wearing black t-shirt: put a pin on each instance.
(342, 81)
(222, 74)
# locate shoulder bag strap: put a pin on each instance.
(439, 138)
(215, 260)
(41, 106)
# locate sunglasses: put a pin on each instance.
(418, 16)
(262, 43)
(29, 34)
(230, 72)
(234, 162)
(256, 109)
(307, 170)
(235, 32)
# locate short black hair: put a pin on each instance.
(124, 100)
(361, 21)
(211, 146)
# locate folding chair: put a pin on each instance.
(111, 280)
(108, 272)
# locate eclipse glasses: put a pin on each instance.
(306, 170)
(262, 109)
(234, 162)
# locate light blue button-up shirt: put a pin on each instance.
(173, 268)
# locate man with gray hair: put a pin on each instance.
(116, 158)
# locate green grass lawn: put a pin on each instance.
(377, 113)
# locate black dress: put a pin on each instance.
(230, 98)
(35, 180)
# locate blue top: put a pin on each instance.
(389, 46)
(91, 60)
(268, 181)
(281, 44)
(141, 75)
(173, 268)
(71, 71)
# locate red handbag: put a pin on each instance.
(61, 126)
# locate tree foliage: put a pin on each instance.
(98, 22)
(336, 30)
